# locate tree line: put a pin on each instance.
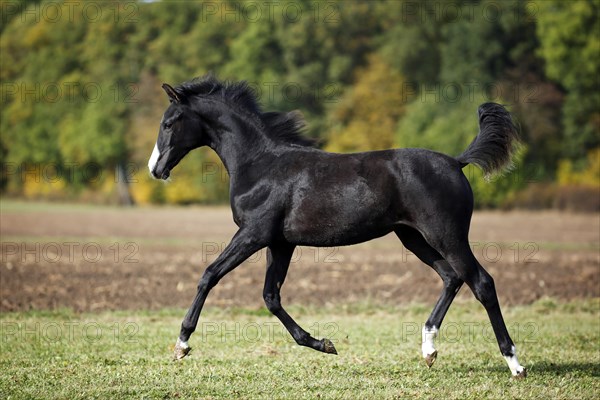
(81, 98)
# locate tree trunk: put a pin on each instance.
(123, 178)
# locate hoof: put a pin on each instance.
(430, 358)
(328, 347)
(521, 375)
(180, 351)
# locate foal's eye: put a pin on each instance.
(168, 125)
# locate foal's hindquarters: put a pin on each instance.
(438, 235)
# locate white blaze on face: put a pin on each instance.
(153, 158)
(155, 152)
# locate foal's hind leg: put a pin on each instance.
(414, 241)
(278, 261)
(481, 283)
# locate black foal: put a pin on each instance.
(285, 193)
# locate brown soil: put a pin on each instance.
(151, 258)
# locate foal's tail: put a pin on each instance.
(497, 141)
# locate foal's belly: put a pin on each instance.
(333, 236)
(332, 224)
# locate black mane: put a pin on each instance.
(282, 126)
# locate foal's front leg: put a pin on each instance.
(278, 261)
(242, 246)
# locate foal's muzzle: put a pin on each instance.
(164, 175)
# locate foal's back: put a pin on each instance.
(331, 199)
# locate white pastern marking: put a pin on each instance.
(182, 344)
(153, 158)
(428, 337)
(513, 363)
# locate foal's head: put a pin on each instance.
(195, 115)
(179, 133)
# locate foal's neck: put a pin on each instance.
(238, 140)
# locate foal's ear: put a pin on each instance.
(173, 96)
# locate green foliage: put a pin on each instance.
(366, 75)
(589, 176)
(440, 126)
(570, 45)
(470, 52)
(413, 46)
(449, 128)
(91, 136)
(365, 118)
(568, 33)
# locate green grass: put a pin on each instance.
(248, 354)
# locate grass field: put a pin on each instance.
(247, 354)
(73, 326)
